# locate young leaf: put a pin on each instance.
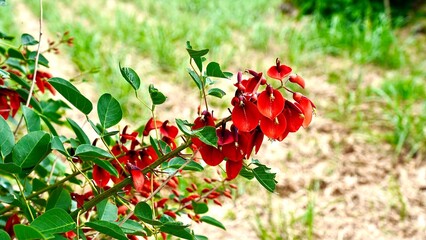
(107, 228)
(24, 232)
(31, 149)
(130, 76)
(81, 135)
(42, 60)
(32, 119)
(109, 111)
(213, 70)
(28, 40)
(212, 221)
(156, 96)
(89, 152)
(265, 178)
(53, 221)
(216, 92)
(7, 140)
(144, 212)
(106, 165)
(59, 198)
(72, 94)
(197, 53)
(107, 211)
(207, 135)
(247, 173)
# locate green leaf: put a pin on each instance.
(19, 80)
(10, 168)
(27, 39)
(109, 111)
(81, 135)
(265, 178)
(144, 212)
(132, 227)
(3, 234)
(197, 53)
(131, 76)
(247, 173)
(59, 146)
(23, 93)
(196, 79)
(13, 53)
(207, 135)
(31, 149)
(157, 97)
(59, 198)
(32, 119)
(24, 232)
(53, 221)
(7, 140)
(212, 221)
(177, 162)
(213, 70)
(41, 59)
(183, 126)
(107, 211)
(216, 92)
(176, 229)
(200, 208)
(107, 228)
(106, 165)
(72, 94)
(49, 125)
(89, 152)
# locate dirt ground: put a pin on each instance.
(357, 187)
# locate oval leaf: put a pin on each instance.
(81, 135)
(59, 198)
(207, 135)
(144, 212)
(131, 76)
(107, 228)
(7, 140)
(31, 149)
(32, 119)
(213, 70)
(157, 97)
(72, 94)
(106, 165)
(24, 232)
(109, 111)
(265, 178)
(107, 211)
(90, 152)
(53, 221)
(27, 39)
(216, 92)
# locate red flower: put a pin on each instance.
(294, 116)
(13, 220)
(275, 128)
(294, 78)
(41, 81)
(206, 119)
(233, 169)
(13, 104)
(279, 71)
(211, 155)
(250, 140)
(270, 102)
(245, 115)
(137, 177)
(168, 130)
(151, 125)
(101, 176)
(307, 107)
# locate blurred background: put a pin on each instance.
(359, 171)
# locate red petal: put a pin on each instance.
(150, 125)
(294, 116)
(279, 72)
(211, 155)
(273, 128)
(250, 140)
(224, 136)
(233, 169)
(169, 131)
(233, 152)
(245, 116)
(13, 220)
(39, 83)
(270, 105)
(4, 107)
(294, 78)
(306, 106)
(138, 179)
(101, 176)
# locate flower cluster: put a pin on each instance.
(256, 114)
